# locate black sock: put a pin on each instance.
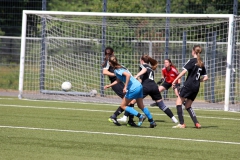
(138, 115)
(165, 109)
(126, 113)
(131, 118)
(192, 115)
(117, 112)
(129, 115)
(180, 114)
(168, 112)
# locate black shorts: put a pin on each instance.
(188, 93)
(118, 89)
(166, 85)
(153, 91)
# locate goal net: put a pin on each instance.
(68, 46)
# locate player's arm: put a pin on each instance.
(106, 72)
(112, 84)
(127, 75)
(144, 70)
(179, 76)
(162, 79)
(205, 77)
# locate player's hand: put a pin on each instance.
(176, 86)
(136, 77)
(161, 81)
(173, 83)
(125, 90)
(107, 86)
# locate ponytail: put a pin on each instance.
(148, 59)
(197, 49)
(114, 62)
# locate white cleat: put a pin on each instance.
(179, 126)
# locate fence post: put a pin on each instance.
(184, 48)
(168, 10)
(103, 46)
(43, 49)
(233, 75)
(206, 84)
(213, 64)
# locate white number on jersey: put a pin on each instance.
(198, 73)
(150, 76)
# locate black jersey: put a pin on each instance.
(148, 77)
(194, 74)
(110, 69)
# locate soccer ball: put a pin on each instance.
(93, 93)
(66, 86)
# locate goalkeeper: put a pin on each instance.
(169, 73)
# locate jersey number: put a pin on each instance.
(150, 76)
(198, 73)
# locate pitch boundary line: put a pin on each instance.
(120, 134)
(105, 111)
(107, 104)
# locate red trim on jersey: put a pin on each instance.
(170, 75)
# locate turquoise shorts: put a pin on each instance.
(136, 93)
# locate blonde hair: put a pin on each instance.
(197, 49)
(147, 59)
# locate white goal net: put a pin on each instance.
(68, 46)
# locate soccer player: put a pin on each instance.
(133, 90)
(118, 88)
(195, 69)
(146, 75)
(169, 74)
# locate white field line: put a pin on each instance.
(120, 134)
(94, 110)
(105, 104)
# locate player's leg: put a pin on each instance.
(166, 110)
(146, 112)
(176, 91)
(127, 114)
(161, 88)
(180, 113)
(118, 89)
(190, 110)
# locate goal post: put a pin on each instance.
(73, 50)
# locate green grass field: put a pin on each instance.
(48, 130)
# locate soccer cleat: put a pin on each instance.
(153, 104)
(174, 120)
(198, 126)
(114, 120)
(123, 119)
(110, 120)
(153, 124)
(131, 124)
(141, 120)
(179, 126)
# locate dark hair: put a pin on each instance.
(147, 59)
(113, 60)
(108, 52)
(169, 60)
(197, 49)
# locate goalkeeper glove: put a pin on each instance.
(176, 86)
(161, 81)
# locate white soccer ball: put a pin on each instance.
(66, 86)
(93, 93)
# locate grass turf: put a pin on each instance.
(59, 130)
